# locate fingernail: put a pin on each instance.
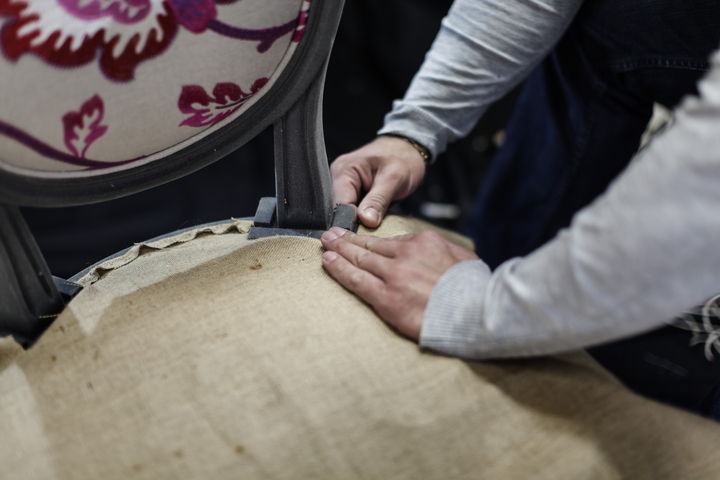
(371, 214)
(329, 236)
(329, 256)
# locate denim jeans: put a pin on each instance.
(581, 113)
(576, 125)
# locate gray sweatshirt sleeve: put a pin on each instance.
(644, 251)
(484, 49)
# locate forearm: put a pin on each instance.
(484, 49)
(642, 253)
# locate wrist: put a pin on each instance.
(422, 150)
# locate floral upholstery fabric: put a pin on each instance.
(95, 84)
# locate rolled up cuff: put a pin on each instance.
(414, 123)
(453, 316)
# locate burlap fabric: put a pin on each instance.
(223, 358)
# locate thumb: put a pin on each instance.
(374, 206)
(346, 179)
(346, 188)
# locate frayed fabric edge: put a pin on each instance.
(236, 226)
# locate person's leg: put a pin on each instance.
(579, 119)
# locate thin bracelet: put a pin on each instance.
(422, 150)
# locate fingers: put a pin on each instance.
(388, 169)
(386, 188)
(364, 284)
(352, 248)
(403, 238)
(383, 246)
(347, 183)
(392, 275)
(387, 247)
(374, 206)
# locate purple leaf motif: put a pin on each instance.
(83, 127)
(194, 14)
(227, 97)
(122, 11)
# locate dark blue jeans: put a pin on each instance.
(576, 125)
(580, 116)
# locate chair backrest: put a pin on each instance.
(104, 98)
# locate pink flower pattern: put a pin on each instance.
(33, 27)
(205, 110)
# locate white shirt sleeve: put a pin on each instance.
(483, 50)
(643, 252)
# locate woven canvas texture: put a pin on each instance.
(231, 359)
(95, 84)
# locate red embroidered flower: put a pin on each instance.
(123, 32)
(72, 32)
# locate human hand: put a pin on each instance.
(388, 169)
(395, 275)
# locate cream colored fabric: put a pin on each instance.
(96, 273)
(254, 363)
(131, 98)
(99, 296)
